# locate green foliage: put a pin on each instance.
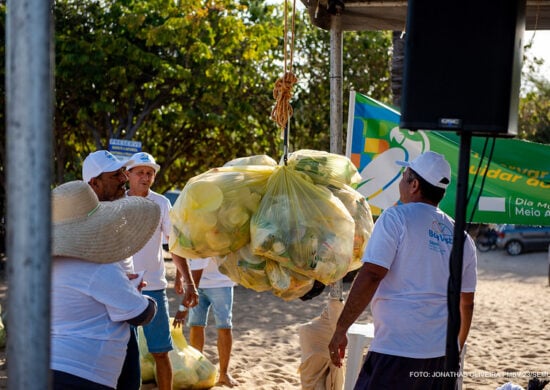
(193, 81)
(534, 111)
(366, 59)
(534, 107)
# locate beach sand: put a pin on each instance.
(509, 340)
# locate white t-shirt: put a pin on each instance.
(127, 265)
(150, 258)
(90, 304)
(211, 276)
(414, 242)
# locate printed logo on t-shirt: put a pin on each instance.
(441, 237)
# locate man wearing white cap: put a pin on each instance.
(404, 277)
(106, 174)
(141, 174)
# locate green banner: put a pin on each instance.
(513, 188)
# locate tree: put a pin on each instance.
(534, 112)
(193, 81)
(534, 106)
(189, 81)
(366, 59)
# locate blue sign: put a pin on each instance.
(123, 148)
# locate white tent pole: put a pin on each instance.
(29, 94)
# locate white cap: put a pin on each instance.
(98, 162)
(143, 159)
(432, 167)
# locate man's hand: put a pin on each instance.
(141, 283)
(179, 318)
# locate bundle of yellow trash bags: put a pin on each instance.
(191, 370)
(275, 227)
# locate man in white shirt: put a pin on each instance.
(106, 174)
(150, 260)
(404, 277)
(216, 292)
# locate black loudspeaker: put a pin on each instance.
(463, 65)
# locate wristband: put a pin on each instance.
(182, 308)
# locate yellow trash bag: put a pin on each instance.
(285, 283)
(260, 159)
(245, 269)
(325, 168)
(304, 227)
(190, 368)
(361, 213)
(146, 360)
(261, 274)
(211, 216)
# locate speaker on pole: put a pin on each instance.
(463, 66)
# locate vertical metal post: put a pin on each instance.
(336, 75)
(336, 110)
(29, 93)
(452, 357)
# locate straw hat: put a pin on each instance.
(100, 232)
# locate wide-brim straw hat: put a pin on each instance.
(99, 232)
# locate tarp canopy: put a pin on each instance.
(514, 187)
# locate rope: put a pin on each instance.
(282, 92)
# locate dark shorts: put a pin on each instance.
(65, 381)
(130, 376)
(388, 372)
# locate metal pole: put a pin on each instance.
(29, 92)
(452, 358)
(336, 74)
(336, 102)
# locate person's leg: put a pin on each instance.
(196, 337)
(222, 305)
(164, 370)
(159, 340)
(197, 320)
(225, 343)
(130, 376)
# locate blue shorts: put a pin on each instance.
(157, 332)
(221, 301)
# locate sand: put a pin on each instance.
(509, 340)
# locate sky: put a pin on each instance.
(541, 48)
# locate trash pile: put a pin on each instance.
(275, 227)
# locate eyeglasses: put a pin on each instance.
(114, 175)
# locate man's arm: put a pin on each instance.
(147, 315)
(191, 297)
(364, 286)
(466, 315)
